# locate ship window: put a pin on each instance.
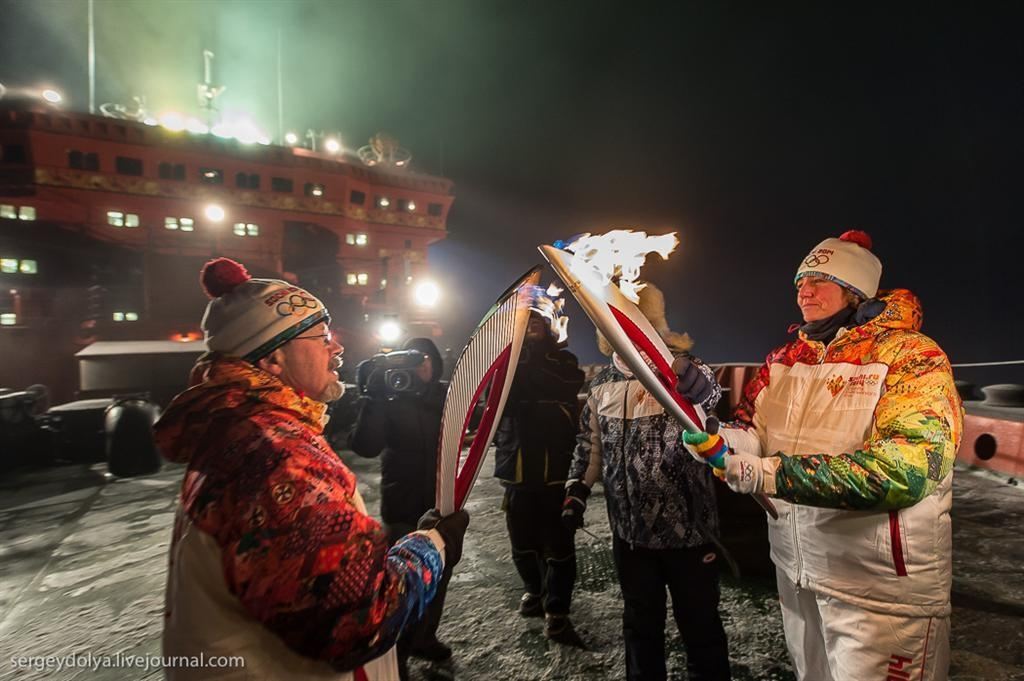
(434, 209)
(363, 278)
(123, 316)
(91, 161)
(383, 202)
(8, 319)
(8, 211)
(12, 153)
(247, 181)
(313, 189)
(27, 213)
(75, 159)
(183, 224)
(281, 184)
(125, 165)
(8, 265)
(350, 279)
(356, 239)
(357, 197)
(246, 229)
(171, 171)
(357, 279)
(28, 267)
(211, 176)
(406, 206)
(121, 219)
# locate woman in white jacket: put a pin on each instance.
(853, 427)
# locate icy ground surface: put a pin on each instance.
(83, 560)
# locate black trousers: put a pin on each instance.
(542, 548)
(691, 576)
(425, 631)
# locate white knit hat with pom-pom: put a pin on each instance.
(250, 318)
(848, 261)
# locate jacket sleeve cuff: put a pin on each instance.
(770, 468)
(435, 537)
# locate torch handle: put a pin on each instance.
(711, 427)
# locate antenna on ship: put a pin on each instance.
(92, 60)
(208, 92)
(384, 150)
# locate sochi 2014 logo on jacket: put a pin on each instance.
(860, 384)
(835, 385)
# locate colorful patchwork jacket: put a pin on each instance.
(273, 556)
(860, 437)
(658, 496)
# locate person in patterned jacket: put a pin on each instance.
(661, 507)
(853, 427)
(273, 556)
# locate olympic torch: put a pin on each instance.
(632, 336)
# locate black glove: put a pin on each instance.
(693, 384)
(452, 529)
(576, 495)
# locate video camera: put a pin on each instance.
(391, 374)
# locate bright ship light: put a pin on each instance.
(332, 145)
(52, 96)
(214, 213)
(173, 121)
(389, 331)
(291, 138)
(426, 294)
(194, 125)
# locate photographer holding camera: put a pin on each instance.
(400, 421)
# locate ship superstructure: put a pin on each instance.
(105, 223)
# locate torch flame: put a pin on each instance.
(618, 256)
(547, 304)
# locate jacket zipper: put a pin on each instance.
(896, 543)
(795, 508)
(622, 452)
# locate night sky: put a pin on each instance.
(753, 130)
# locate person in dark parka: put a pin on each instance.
(534, 448)
(403, 429)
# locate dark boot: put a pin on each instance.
(531, 605)
(559, 629)
(432, 650)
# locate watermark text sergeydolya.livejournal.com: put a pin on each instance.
(58, 663)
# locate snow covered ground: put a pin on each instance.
(83, 559)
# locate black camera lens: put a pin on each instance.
(399, 380)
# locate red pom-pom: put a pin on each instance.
(858, 237)
(221, 276)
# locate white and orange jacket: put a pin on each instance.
(274, 560)
(858, 439)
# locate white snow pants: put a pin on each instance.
(830, 640)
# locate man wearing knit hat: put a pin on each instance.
(853, 427)
(273, 558)
(661, 507)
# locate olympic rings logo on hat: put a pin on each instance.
(296, 304)
(816, 260)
